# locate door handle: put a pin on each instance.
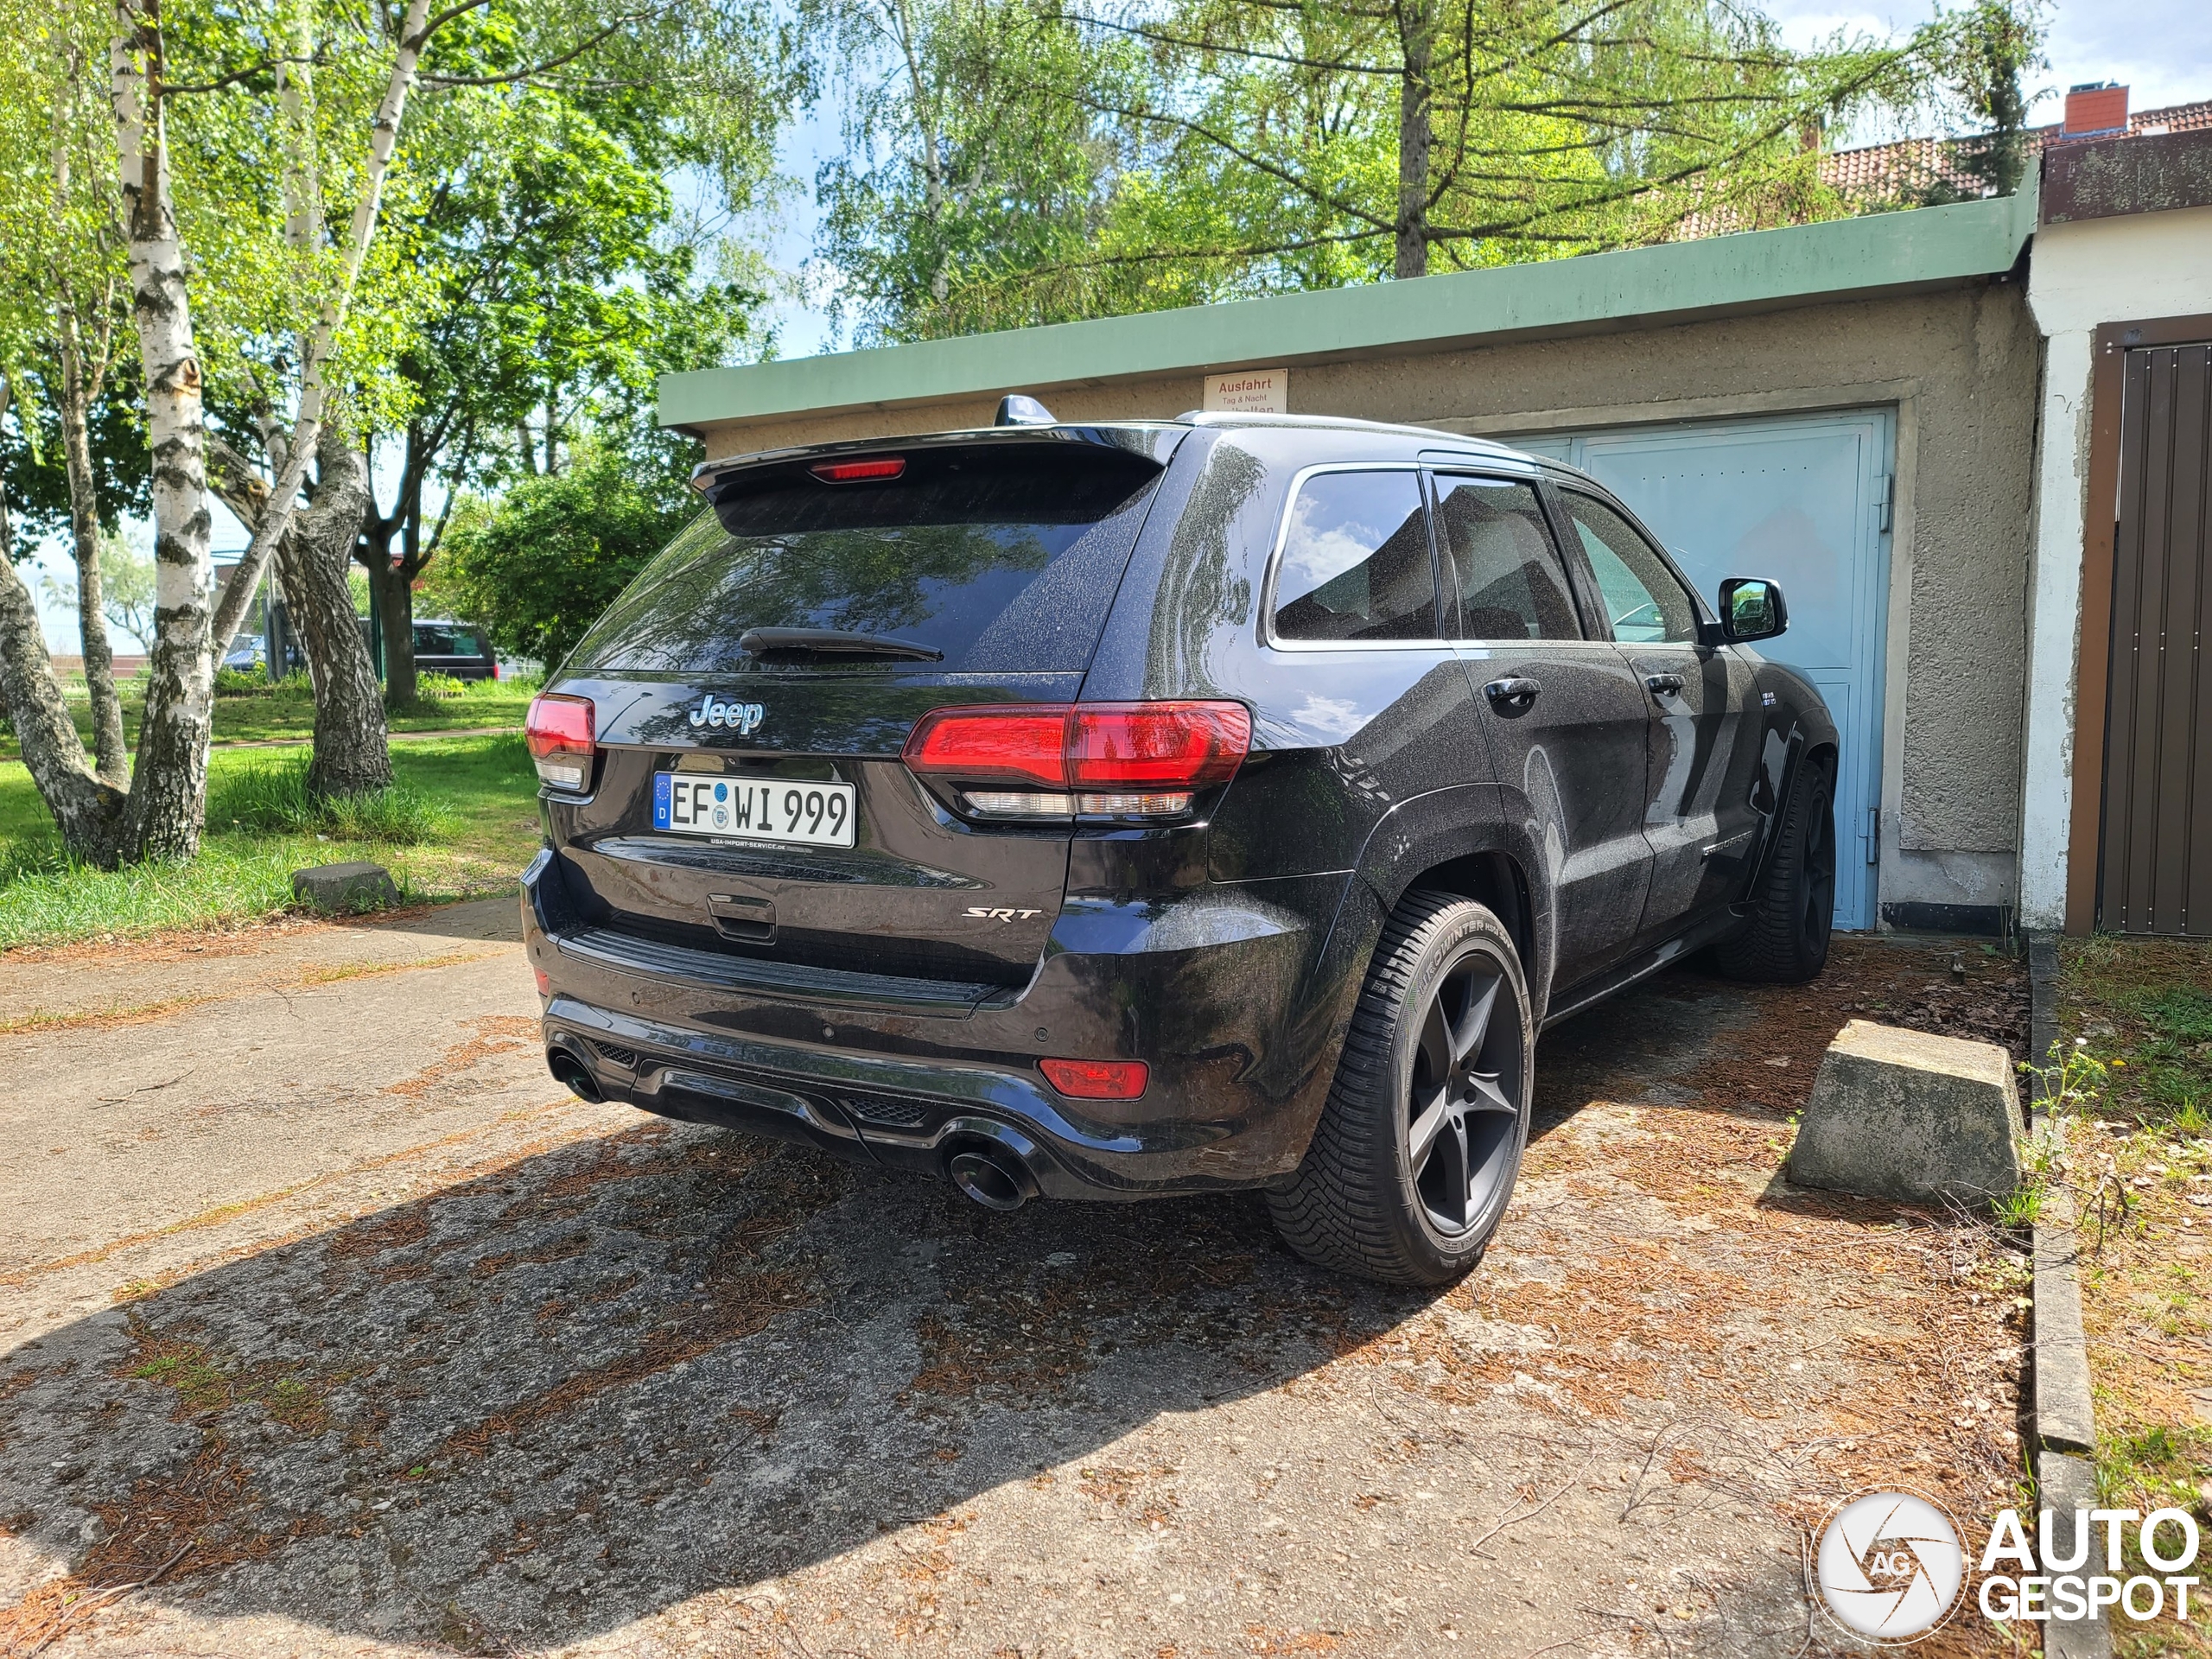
(1663, 685)
(1515, 695)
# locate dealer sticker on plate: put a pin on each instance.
(808, 815)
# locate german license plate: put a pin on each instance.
(751, 808)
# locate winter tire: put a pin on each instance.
(1413, 1164)
(1794, 907)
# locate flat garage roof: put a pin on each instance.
(1755, 270)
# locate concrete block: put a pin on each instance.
(1901, 1114)
(348, 889)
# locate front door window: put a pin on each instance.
(1645, 603)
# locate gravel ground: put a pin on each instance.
(332, 1328)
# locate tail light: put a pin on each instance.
(1097, 1079)
(559, 732)
(1119, 759)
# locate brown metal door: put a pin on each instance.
(2154, 872)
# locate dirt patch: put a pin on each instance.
(656, 1388)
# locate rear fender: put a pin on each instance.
(1441, 827)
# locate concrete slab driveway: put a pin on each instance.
(328, 1325)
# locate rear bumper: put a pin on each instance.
(1216, 992)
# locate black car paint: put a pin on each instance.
(1227, 952)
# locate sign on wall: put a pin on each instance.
(1248, 391)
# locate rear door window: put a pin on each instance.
(1002, 558)
(1354, 564)
(1498, 553)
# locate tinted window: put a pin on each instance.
(1500, 556)
(1645, 604)
(1355, 561)
(445, 640)
(1006, 559)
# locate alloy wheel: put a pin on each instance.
(1463, 1111)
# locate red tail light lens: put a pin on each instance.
(1097, 1079)
(1008, 742)
(1141, 760)
(559, 732)
(856, 472)
(1144, 747)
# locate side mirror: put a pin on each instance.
(1751, 607)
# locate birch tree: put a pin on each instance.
(160, 816)
(61, 289)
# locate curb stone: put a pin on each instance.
(2065, 1425)
(2069, 1483)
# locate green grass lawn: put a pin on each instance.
(2139, 1159)
(286, 709)
(461, 822)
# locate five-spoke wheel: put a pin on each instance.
(1463, 1128)
(1412, 1163)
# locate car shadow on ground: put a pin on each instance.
(594, 1383)
(584, 1387)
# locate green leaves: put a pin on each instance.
(1011, 162)
(536, 570)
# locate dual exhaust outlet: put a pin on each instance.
(993, 1176)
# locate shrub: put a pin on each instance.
(238, 682)
(536, 568)
(433, 684)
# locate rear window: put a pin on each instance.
(444, 639)
(1004, 559)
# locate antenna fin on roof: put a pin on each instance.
(1016, 410)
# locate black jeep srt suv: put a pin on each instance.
(1101, 812)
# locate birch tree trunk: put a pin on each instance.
(168, 790)
(110, 759)
(352, 751)
(307, 427)
(89, 813)
(80, 384)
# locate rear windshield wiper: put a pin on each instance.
(829, 642)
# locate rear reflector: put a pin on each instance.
(559, 732)
(856, 472)
(1141, 759)
(1096, 1079)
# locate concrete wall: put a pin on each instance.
(1959, 367)
(2083, 276)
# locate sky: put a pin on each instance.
(2161, 50)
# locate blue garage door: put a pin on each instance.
(1804, 499)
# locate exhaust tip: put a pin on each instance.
(984, 1178)
(568, 1068)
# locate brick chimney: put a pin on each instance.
(2096, 106)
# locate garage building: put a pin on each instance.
(1848, 407)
